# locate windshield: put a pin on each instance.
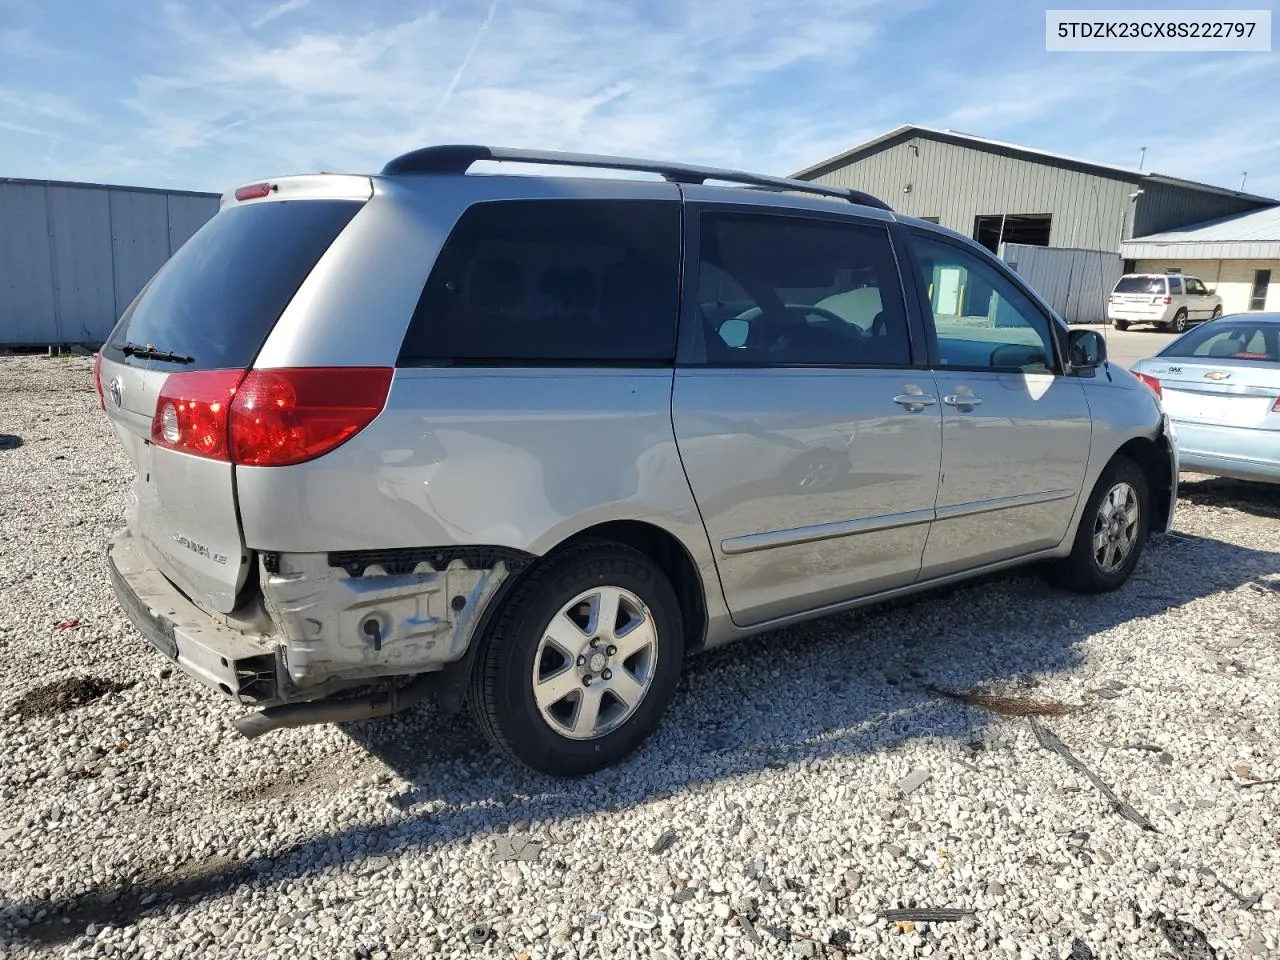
(1239, 340)
(1154, 285)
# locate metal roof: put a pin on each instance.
(907, 130)
(1245, 236)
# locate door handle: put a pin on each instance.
(914, 401)
(963, 401)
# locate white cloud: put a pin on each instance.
(341, 93)
(278, 11)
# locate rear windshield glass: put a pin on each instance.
(218, 297)
(1140, 285)
(1239, 340)
(553, 281)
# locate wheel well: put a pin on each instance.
(671, 557)
(1153, 457)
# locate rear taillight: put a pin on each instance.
(288, 416)
(192, 412)
(97, 379)
(1168, 300)
(1275, 407)
(1151, 382)
(268, 418)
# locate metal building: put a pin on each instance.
(1238, 257)
(73, 255)
(1001, 192)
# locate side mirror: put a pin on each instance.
(734, 332)
(1086, 349)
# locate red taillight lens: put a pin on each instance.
(1151, 382)
(253, 191)
(1168, 300)
(97, 379)
(267, 418)
(1275, 407)
(288, 416)
(192, 412)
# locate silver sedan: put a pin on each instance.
(1220, 385)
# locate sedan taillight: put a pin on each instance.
(1151, 382)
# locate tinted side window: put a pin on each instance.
(982, 320)
(782, 290)
(553, 281)
(219, 296)
(1175, 286)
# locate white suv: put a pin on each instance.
(1168, 300)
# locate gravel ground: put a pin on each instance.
(802, 783)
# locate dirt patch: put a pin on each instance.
(66, 694)
(322, 778)
(1007, 705)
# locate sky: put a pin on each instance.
(206, 94)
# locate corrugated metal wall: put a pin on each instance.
(1076, 283)
(1166, 206)
(72, 256)
(956, 184)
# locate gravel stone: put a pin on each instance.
(139, 817)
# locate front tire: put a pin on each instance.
(1112, 533)
(1217, 312)
(582, 661)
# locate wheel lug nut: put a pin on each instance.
(611, 650)
(586, 681)
(608, 675)
(582, 661)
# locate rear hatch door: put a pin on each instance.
(207, 312)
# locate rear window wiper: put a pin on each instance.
(151, 353)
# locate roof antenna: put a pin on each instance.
(1242, 179)
(1142, 156)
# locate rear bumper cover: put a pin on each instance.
(341, 620)
(1226, 451)
(236, 664)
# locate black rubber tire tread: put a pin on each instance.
(501, 696)
(1122, 325)
(1078, 571)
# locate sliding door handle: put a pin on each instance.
(914, 401)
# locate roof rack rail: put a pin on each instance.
(458, 158)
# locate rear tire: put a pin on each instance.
(1122, 324)
(528, 693)
(1113, 530)
(1178, 323)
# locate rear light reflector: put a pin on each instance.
(291, 415)
(192, 412)
(1151, 382)
(253, 191)
(1275, 407)
(97, 379)
(267, 418)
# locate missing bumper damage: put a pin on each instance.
(323, 631)
(406, 612)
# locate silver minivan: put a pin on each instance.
(525, 442)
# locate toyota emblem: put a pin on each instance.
(114, 389)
